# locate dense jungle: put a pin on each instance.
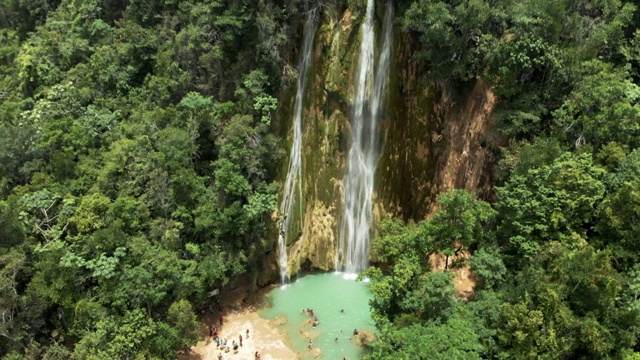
(144, 148)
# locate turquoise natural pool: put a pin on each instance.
(327, 294)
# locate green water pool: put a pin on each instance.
(327, 294)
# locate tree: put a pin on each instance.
(602, 108)
(182, 318)
(11, 230)
(488, 267)
(618, 225)
(454, 339)
(90, 215)
(11, 264)
(458, 223)
(124, 337)
(549, 202)
(521, 331)
(432, 298)
(450, 34)
(395, 239)
(565, 302)
(56, 352)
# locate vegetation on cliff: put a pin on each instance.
(556, 256)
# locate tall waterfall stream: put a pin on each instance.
(355, 230)
(293, 185)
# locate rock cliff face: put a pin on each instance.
(431, 141)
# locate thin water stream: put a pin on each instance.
(293, 185)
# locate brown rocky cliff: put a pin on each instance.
(432, 140)
(465, 143)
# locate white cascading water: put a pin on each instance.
(293, 184)
(355, 231)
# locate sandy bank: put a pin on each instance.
(240, 312)
(263, 337)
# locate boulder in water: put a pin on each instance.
(364, 337)
(280, 320)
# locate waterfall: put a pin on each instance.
(293, 183)
(355, 229)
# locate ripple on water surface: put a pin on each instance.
(327, 294)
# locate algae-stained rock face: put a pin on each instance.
(317, 248)
(325, 123)
(433, 141)
(466, 144)
(430, 142)
(269, 270)
(406, 168)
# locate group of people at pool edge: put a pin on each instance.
(222, 343)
